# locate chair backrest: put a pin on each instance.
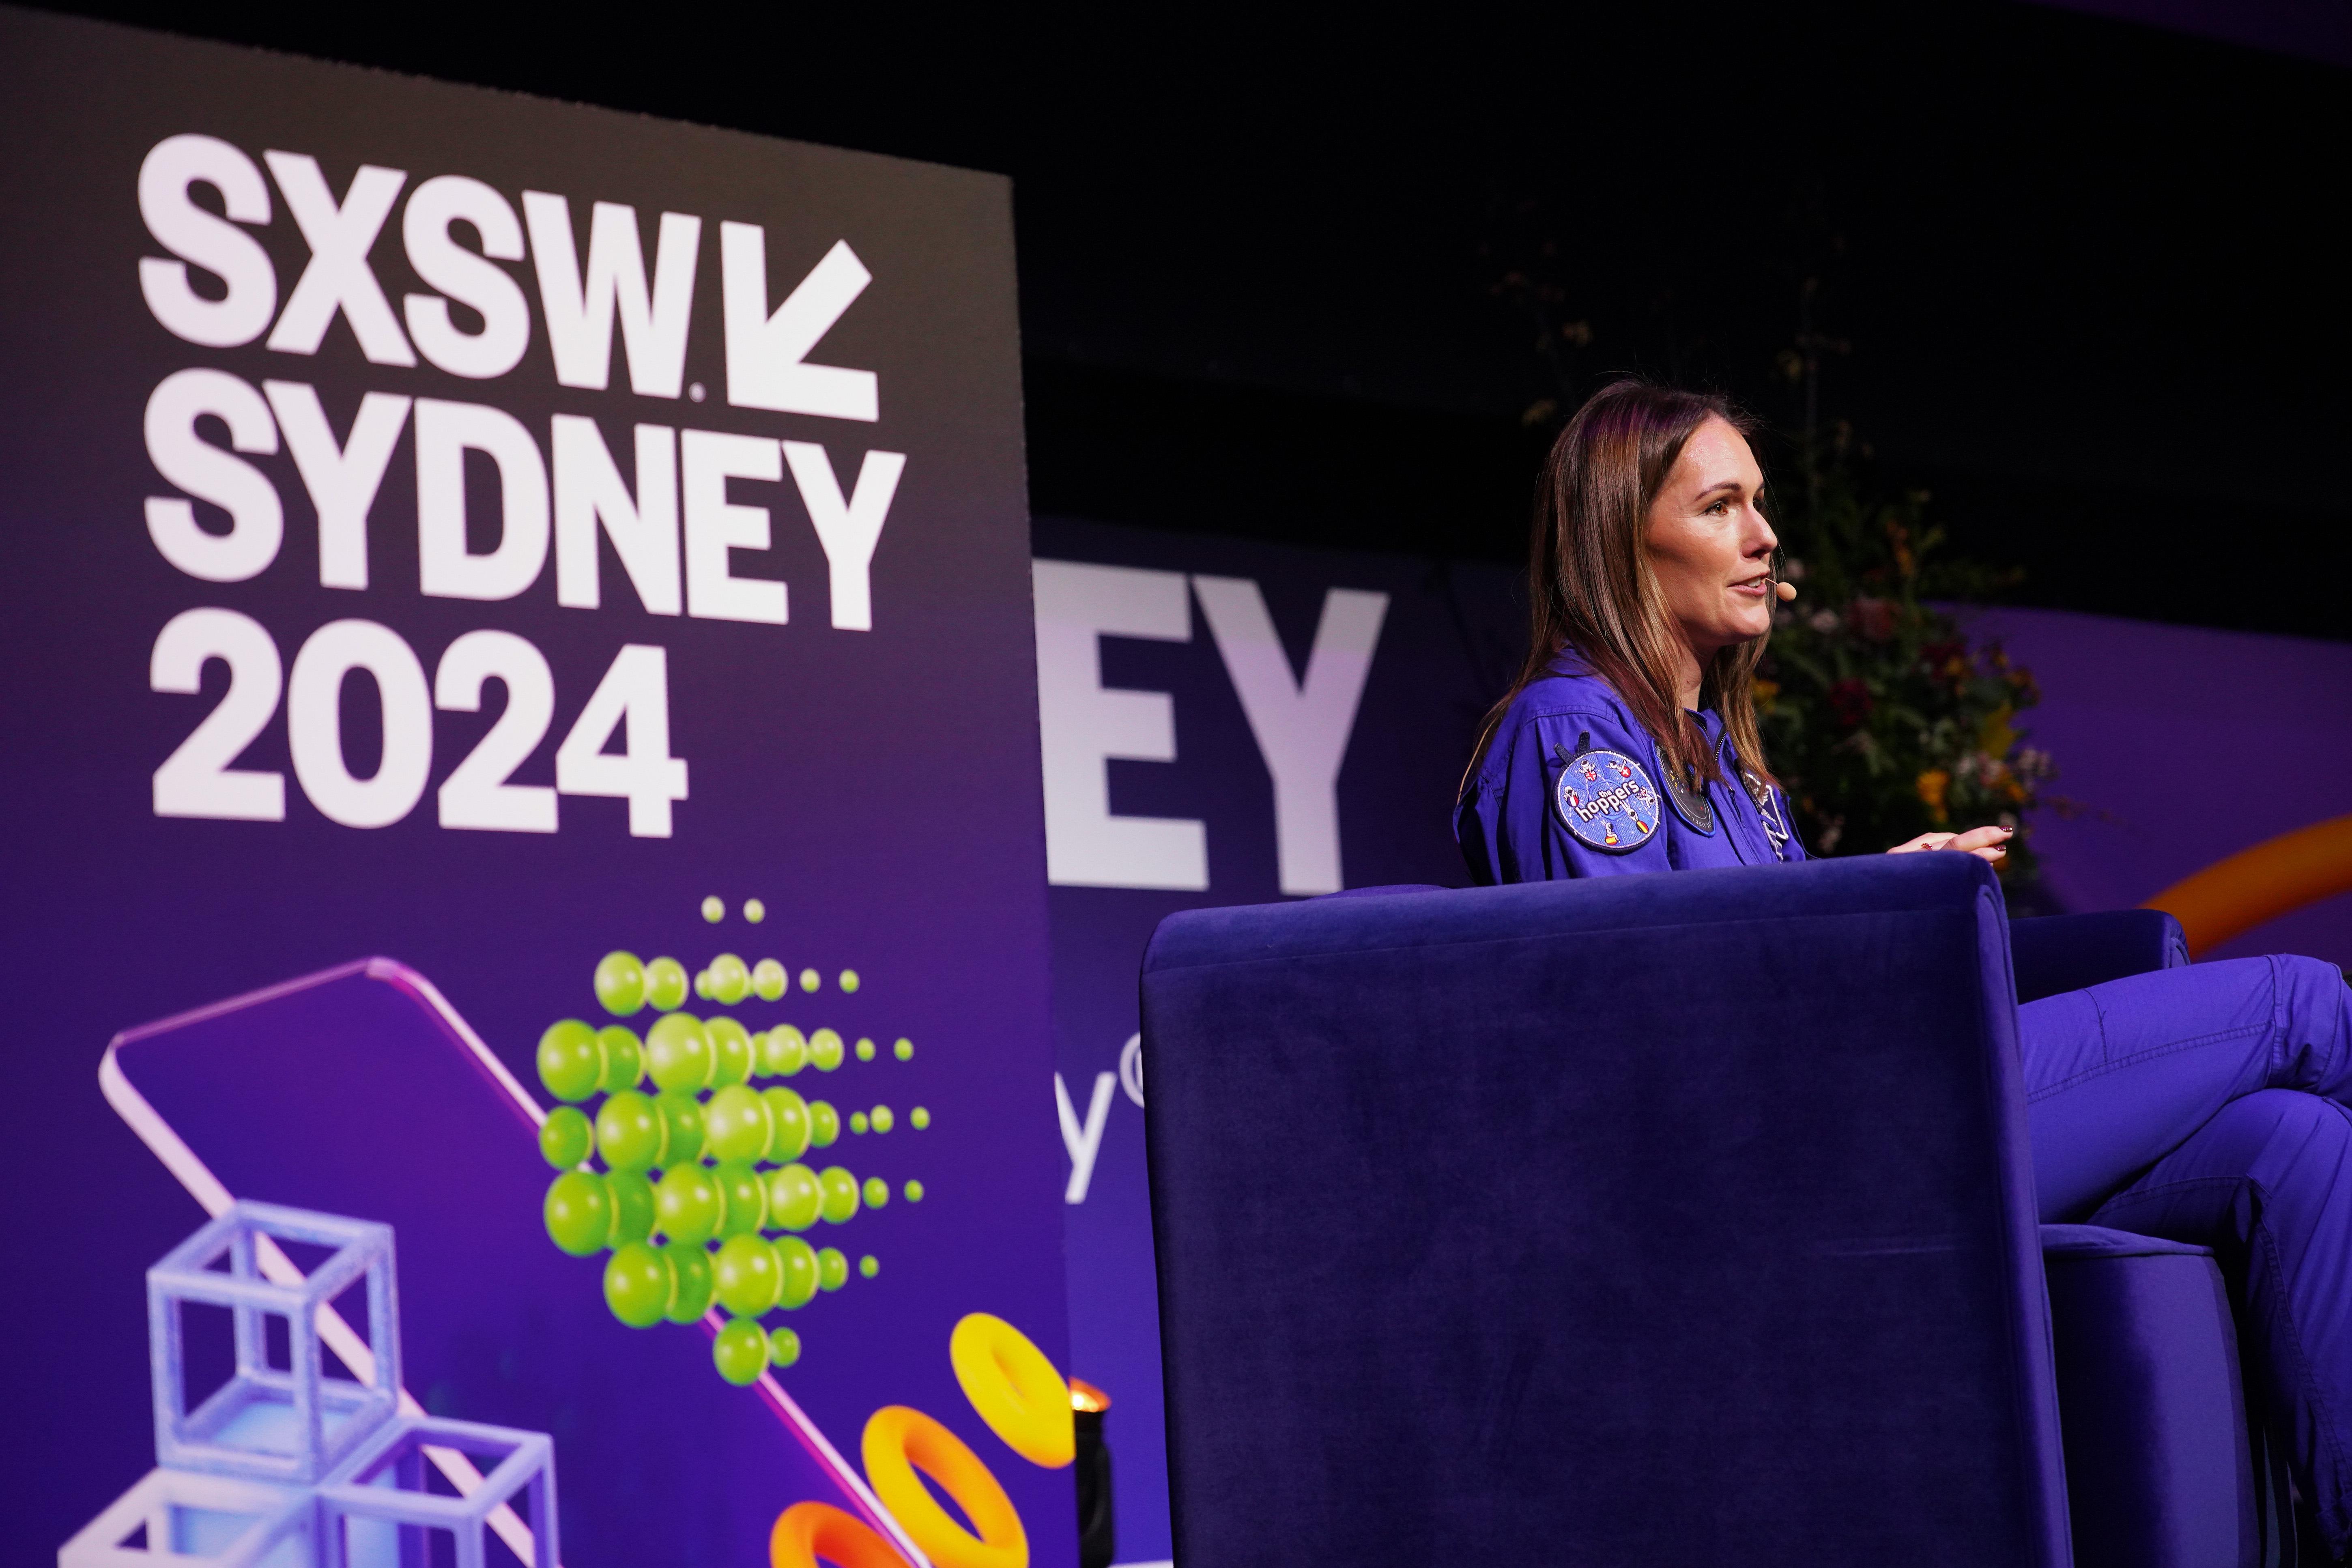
(1652, 1219)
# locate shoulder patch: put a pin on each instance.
(1605, 800)
(1691, 804)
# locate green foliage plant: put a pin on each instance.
(1883, 717)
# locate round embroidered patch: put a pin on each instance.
(1606, 801)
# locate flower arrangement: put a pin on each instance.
(1881, 716)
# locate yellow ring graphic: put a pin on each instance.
(1014, 1389)
(808, 1531)
(898, 1442)
(2276, 876)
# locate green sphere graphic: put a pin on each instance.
(731, 1048)
(824, 1050)
(736, 1124)
(881, 1120)
(579, 1213)
(745, 1276)
(857, 1122)
(849, 980)
(788, 1120)
(569, 1062)
(665, 984)
(877, 1192)
(681, 1116)
(565, 1138)
(687, 1205)
(825, 1124)
(768, 980)
(730, 978)
(904, 1050)
(743, 1199)
(869, 1266)
(811, 980)
(919, 1117)
(678, 1053)
(840, 1194)
(798, 1272)
(624, 1058)
(831, 1268)
(741, 1351)
(632, 1198)
(620, 983)
(690, 1294)
(784, 1051)
(795, 1197)
(714, 909)
(629, 1130)
(914, 1191)
(638, 1285)
(865, 1049)
(783, 1347)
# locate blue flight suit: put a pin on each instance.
(2203, 1105)
(1514, 823)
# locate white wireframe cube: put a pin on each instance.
(292, 1425)
(381, 1488)
(198, 1521)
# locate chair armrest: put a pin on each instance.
(2068, 952)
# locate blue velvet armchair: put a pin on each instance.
(1672, 1219)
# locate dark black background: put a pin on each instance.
(2089, 272)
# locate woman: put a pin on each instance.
(2199, 1104)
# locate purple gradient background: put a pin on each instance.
(878, 790)
(2136, 713)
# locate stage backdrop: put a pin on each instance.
(447, 539)
(1223, 722)
(1226, 722)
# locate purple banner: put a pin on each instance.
(448, 539)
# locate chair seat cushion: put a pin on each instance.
(2159, 1472)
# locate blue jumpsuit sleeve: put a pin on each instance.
(1519, 822)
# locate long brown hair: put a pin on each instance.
(1590, 586)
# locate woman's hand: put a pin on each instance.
(1984, 843)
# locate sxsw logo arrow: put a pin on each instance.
(767, 354)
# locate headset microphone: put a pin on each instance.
(1787, 591)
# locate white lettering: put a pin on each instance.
(642, 528)
(448, 569)
(847, 529)
(193, 234)
(715, 526)
(342, 479)
(765, 354)
(580, 312)
(1083, 1142)
(467, 278)
(339, 277)
(1302, 727)
(256, 520)
(1082, 726)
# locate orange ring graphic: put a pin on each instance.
(1014, 1389)
(807, 1532)
(898, 1442)
(2279, 875)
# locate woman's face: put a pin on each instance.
(1710, 547)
